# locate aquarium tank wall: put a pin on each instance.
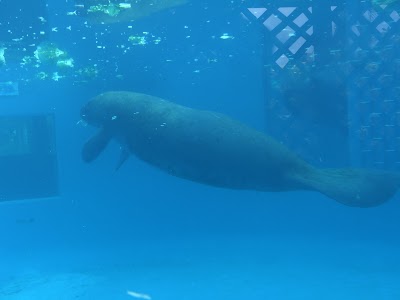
(198, 149)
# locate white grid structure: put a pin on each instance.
(361, 41)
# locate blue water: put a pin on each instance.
(140, 230)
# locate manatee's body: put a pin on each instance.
(213, 149)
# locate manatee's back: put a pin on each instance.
(202, 145)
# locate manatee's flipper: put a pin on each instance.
(95, 145)
(123, 157)
(354, 187)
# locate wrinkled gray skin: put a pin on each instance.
(213, 149)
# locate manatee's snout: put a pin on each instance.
(88, 114)
(83, 121)
(100, 111)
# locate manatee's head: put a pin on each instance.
(104, 109)
(108, 111)
(95, 112)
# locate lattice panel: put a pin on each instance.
(374, 42)
(290, 31)
(361, 43)
(294, 38)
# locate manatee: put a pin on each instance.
(319, 98)
(211, 148)
(115, 11)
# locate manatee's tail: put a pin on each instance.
(354, 187)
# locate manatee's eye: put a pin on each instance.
(84, 112)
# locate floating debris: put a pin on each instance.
(56, 76)
(137, 40)
(138, 295)
(144, 39)
(42, 75)
(2, 58)
(110, 9)
(226, 36)
(66, 63)
(88, 72)
(49, 53)
(124, 5)
(130, 10)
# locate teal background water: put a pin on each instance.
(141, 230)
